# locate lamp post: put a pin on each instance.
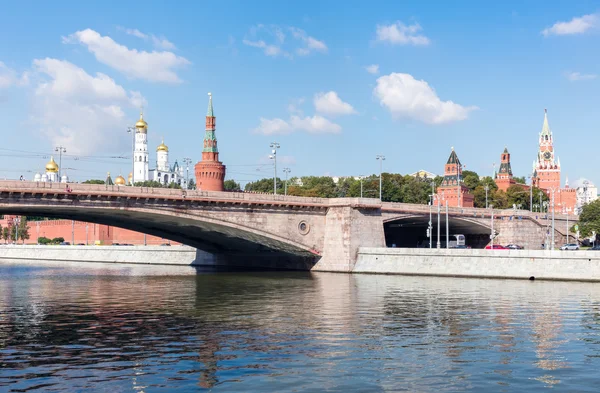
(492, 226)
(187, 162)
(567, 213)
(286, 170)
(381, 158)
(531, 193)
(274, 146)
(60, 151)
(552, 244)
(459, 167)
(361, 177)
(17, 222)
(540, 202)
(438, 244)
(487, 188)
(429, 227)
(447, 228)
(131, 130)
(86, 232)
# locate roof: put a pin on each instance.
(453, 159)
(210, 112)
(423, 173)
(545, 127)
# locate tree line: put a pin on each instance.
(17, 232)
(398, 188)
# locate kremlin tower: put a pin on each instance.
(453, 190)
(210, 172)
(546, 167)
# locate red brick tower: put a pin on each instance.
(504, 177)
(210, 172)
(452, 188)
(546, 168)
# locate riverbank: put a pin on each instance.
(148, 255)
(513, 264)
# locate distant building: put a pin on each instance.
(210, 172)
(504, 177)
(452, 190)
(423, 174)
(586, 193)
(51, 174)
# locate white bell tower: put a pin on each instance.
(140, 155)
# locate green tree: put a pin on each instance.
(265, 185)
(6, 234)
(520, 180)
(148, 183)
(231, 185)
(517, 196)
(94, 181)
(174, 185)
(589, 219)
(23, 230)
(470, 179)
(191, 185)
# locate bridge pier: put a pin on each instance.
(346, 229)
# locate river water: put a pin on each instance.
(151, 329)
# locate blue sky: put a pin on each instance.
(465, 75)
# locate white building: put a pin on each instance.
(51, 174)
(586, 193)
(140, 154)
(164, 173)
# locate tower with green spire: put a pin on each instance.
(210, 172)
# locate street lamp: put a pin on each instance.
(131, 130)
(361, 177)
(274, 146)
(17, 222)
(187, 162)
(492, 225)
(553, 208)
(60, 151)
(381, 158)
(487, 188)
(430, 227)
(459, 167)
(531, 193)
(286, 170)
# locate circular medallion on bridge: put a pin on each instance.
(303, 227)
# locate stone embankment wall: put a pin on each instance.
(522, 264)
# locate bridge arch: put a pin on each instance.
(410, 230)
(187, 226)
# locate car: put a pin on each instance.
(65, 243)
(570, 246)
(595, 248)
(514, 247)
(495, 247)
(461, 246)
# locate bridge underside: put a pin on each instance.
(411, 231)
(220, 240)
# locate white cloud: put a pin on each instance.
(82, 112)
(372, 69)
(577, 76)
(10, 77)
(152, 66)
(158, 42)
(399, 33)
(330, 103)
(272, 41)
(575, 26)
(406, 97)
(312, 124)
(273, 127)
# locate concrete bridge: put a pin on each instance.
(317, 233)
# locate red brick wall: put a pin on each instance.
(67, 229)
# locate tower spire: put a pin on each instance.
(546, 127)
(210, 111)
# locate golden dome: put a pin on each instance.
(130, 176)
(51, 166)
(141, 124)
(120, 180)
(162, 147)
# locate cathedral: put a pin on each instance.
(51, 174)
(163, 173)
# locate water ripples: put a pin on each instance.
(122, 328)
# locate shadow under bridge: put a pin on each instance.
(411, 231)
(210, 235)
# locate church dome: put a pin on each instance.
(162, 147)
(141, 124)
(51, 166)
(120, 180)
(130, 178)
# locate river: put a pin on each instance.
(123, 328)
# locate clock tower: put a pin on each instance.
(546, 167)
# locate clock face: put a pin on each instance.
(547, 155)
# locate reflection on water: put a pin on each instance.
(145, 329)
